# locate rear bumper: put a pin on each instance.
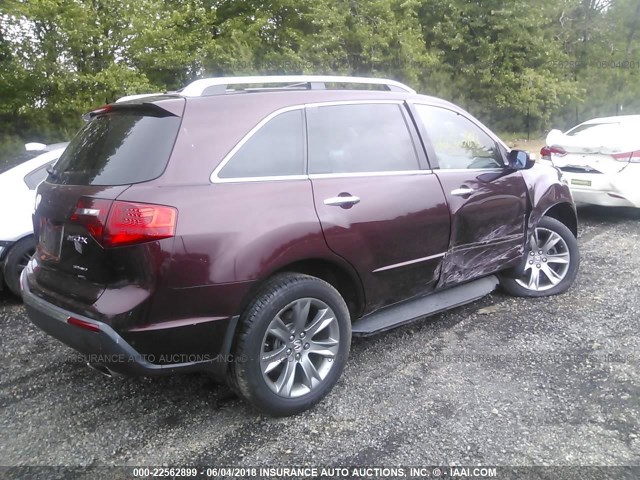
(106, 349)
(609, 190)
(602, 198)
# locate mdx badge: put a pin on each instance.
(78, 241)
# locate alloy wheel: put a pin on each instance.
(548, 260)
(299, 347)
(24, 260)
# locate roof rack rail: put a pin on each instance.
(218, 85)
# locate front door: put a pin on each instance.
(487, 201)
(378, 209)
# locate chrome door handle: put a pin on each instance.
(461, 192)
(342, 201)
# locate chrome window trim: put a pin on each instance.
(460, 170)
(320, 176)
(273, 178)
(410, 262)
(214, 178)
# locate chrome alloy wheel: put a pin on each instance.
(548, 260)
(299, 347)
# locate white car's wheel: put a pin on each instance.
(17, 258)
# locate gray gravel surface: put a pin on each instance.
(502, 381)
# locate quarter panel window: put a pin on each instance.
(359, 138)
(276, 149)
(458, 142)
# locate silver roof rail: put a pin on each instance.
(218, 85)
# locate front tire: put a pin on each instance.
(17, 258)
(550, 265)
(293, 342)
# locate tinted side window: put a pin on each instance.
(117, 149)
(458, 142)
(359, 138)
(276, 149)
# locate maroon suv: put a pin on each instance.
(249, 230)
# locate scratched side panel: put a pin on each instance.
(488, 226)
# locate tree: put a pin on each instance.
(498, 59)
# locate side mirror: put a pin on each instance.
(520, 160)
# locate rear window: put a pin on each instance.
(593, 128)
(19, 159)
(118, 148)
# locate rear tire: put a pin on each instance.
(550, 264)
(292, 344)
(17, 258)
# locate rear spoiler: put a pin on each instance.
(157, 105)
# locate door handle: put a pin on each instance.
(462, 191)
(344, 202)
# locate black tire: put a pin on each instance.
(15, 262)
(512, 282)
(246, 375)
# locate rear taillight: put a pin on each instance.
(633, 157)
(116, 223)
(130, 223)
(546, 152)
(92, 214)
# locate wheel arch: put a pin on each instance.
(347, 283)
(565, 213)
(549, 195)
(341, 277)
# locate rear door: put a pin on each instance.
(116, 148)
(487, 201)
(380, 209)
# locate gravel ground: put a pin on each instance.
(502, 381)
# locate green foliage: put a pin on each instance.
(517, 65)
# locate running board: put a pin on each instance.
(417, 308)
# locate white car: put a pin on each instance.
(600, 159)
(17, 197)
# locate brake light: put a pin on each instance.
(546, 152)
(116, 223)
(130, 223)
(97, 111)
(92, 214)
(632, 157)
